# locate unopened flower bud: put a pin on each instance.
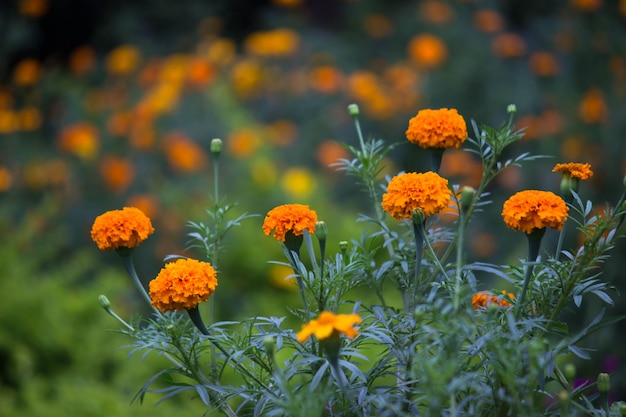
(570, 371)
(216, 146)
(343, 247)
(467, 196)
(269, 343)
(564, 397)
(417, 215)
(604, 382)
(321, 230)
(104, 302)
(511, 108)
(353, 110)
(569, 184)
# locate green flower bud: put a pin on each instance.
(343, 247)
(269, 343)
(353, 110)
(511, 108)
(321, 230)
(569, 184)
(564, 397)
(104, 302)
(570, 371)
(216, 147)
(604, 382)
(417, 215)
(467, 195)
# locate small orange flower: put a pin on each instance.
(124, 228)
(407, 192)
(183, 154)
(443, 128)
(328, 323)
(27, 72)
(277, 42)
(123, 60)
(81, 139)
(182, 285)
(427, 50)
(117, 173)
(574, 170)
(532, 209)
(294, 218)
(484, 299)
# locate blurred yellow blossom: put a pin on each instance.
(270, 43)
(246, 77)
(123, 60)
(282, 276)
(298, 182)
(263, 173)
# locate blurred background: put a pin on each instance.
(108, 104)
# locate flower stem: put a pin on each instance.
(459, 258)
(322, 298)
(418, 233)
(127, 259)
(534, 242)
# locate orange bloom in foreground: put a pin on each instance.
(182, 285)
(406, 192)
(574, 170)
(484, 299)
(124, 228)
(328, 323)
(531, 209)
(294, 218)
(443, 128)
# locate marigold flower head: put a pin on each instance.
(484, 299)
(443, 128)
(328, 323)
(124, 228)
(532, 209)
(574, 170)
(406, 192)
(182, 285)
(294, 218)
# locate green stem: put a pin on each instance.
(322, 297)
(418, 233)
(534, 242)
(293, 260)
(126, 255)
(459, 259)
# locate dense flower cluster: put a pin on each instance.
(484, 299)
(409, 191)
(532, 209)
(327, 323)
(182, 285)
(443, 128)
(294, 218)
(124, 228)
(574, 170)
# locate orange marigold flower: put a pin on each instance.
(294, 218)
(406, 192)
(328, 323)
(124, 228)
(574, 170)
(532, 209)
(484, 299)
(443, 128)
(182, 285)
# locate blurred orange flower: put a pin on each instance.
(118, 173)
(293, 218)
(182, 285)
(247, 78)
(82, 60)
(125, 228)
(243, 143)
(183, 154)
(410, 191)
(287, 3)
(484, 299)
(543, 64)
(586, 5)
(427, 50)
(508, 45)
(488, 21)
(147, 203)
(27, 72)
(221, 51)
(119, 123)
(532, 209)
(201, 73)
(272, 43)
(329, 152)
(80, 139)
(6, 179)
(282, 132)
(443, 128)
(49, 173)
(123, 60)
(328, 324)
(574, 170)
(33, 8)
(436, 11)
(377, 26)
(593, 108)
(326, 79)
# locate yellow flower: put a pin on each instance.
(574, 170)
(484, 299)
(443, 128)
(328, 323)
(531, 209)
(407, 192)
(124, 228)
(182, 285)
(294, 218)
